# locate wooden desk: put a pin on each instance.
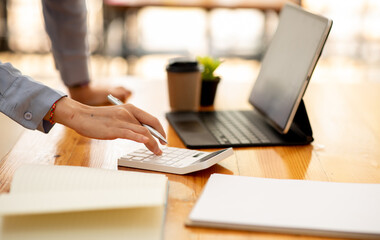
(345, 120)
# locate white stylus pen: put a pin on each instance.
(153, 131)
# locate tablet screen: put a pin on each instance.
(288, 64)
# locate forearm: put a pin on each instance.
(66, 25)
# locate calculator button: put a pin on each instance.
(143, 155)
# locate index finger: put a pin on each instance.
(145, 118)
(155, 133)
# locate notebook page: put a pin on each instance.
(52, 189)
(63, 202)
(47, 178)
(292, 206)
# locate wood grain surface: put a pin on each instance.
(345, 118)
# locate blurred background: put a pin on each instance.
(139, 39)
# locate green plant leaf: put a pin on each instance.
(209, 66)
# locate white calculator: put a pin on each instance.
(173, 160)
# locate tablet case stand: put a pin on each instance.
(301, 124)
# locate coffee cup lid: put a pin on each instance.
(183, 64)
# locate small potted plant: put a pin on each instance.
(209, 80)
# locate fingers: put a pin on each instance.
(139, 131)
(146, 118)
(128, 134)
(121, 121)
(121, 93)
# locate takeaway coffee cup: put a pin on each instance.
(184, 84)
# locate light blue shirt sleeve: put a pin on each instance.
(66, 25)
(25, 100)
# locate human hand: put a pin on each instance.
(96, 95)
(109, 122)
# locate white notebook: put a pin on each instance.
(65, 202)
(289, 206)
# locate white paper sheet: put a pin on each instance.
(64, 202)
(289, 206)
